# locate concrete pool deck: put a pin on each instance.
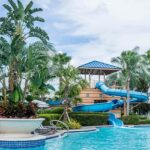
(34, 137)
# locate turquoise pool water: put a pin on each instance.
(103, 139)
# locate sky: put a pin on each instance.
(91, 30)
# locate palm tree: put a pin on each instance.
(71, 86)
(17, 26)
(37, 67)
(129, 64)
(60, 60)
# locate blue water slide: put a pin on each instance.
(103, 107)
(115, 121)
(134, 96)
(99, 107)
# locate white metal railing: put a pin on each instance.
(61, 122)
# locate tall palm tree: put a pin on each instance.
(60, 60)
(71, 86)
(17, 26)
(36, 62)
(129, 63)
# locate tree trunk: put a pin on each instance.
(66, 117)
(60, 82)
(4, 92)
(128, 96)
(125, 107)
(11, 79)
(65, 114)
(25, 89)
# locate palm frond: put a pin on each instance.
(13, 4)
(39, 33)
(7, 7)
(20, 5)
(34, 10)
(28, 7)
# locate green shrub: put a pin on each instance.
(73, 124)
(84, 119)
(90, 119)
(56, 110)
(48, 118)
(132, 119)
(142, 117)
(100, 113)
(146, 121)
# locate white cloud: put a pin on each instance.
(113, 25)
(45, 4)
(117, 25)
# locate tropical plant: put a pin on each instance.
(18, 25)
(71, 85)
(142, 109)
(60, 60)
(20, 63)
(73, 124)
(132, 67)
(38, 68)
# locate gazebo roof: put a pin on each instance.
(97, 68)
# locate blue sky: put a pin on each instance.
(95, 29)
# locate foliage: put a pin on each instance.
(90, 119)
(134, 67)
(128, 61)
(71, 83)
(146, 121)
(142, 109)
(84, 119)
(131, 119)
(61, 59)
(36, 60)
(19, 62)
(133, 70)
(73, 124)
(19, 110)
(135, 120)
(76, 100)
(57, 110)
(48, 118)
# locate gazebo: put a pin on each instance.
(97, 68)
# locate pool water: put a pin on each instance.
(103, 139)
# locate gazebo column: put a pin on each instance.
(99, 77)
(90, 79)
(104, 76)
(85, 75)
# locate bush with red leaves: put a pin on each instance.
(20, 110)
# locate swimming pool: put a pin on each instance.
(104, 139)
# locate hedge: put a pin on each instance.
(93, 119)
(90, 119)
(135, 120)
(85, 119)
(49, 117)
(55, 110)
(132, 119)
(100, 113)
(146, 121)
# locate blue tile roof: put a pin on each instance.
(98, 65)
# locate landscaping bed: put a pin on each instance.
(85, 119)
(135, 120)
